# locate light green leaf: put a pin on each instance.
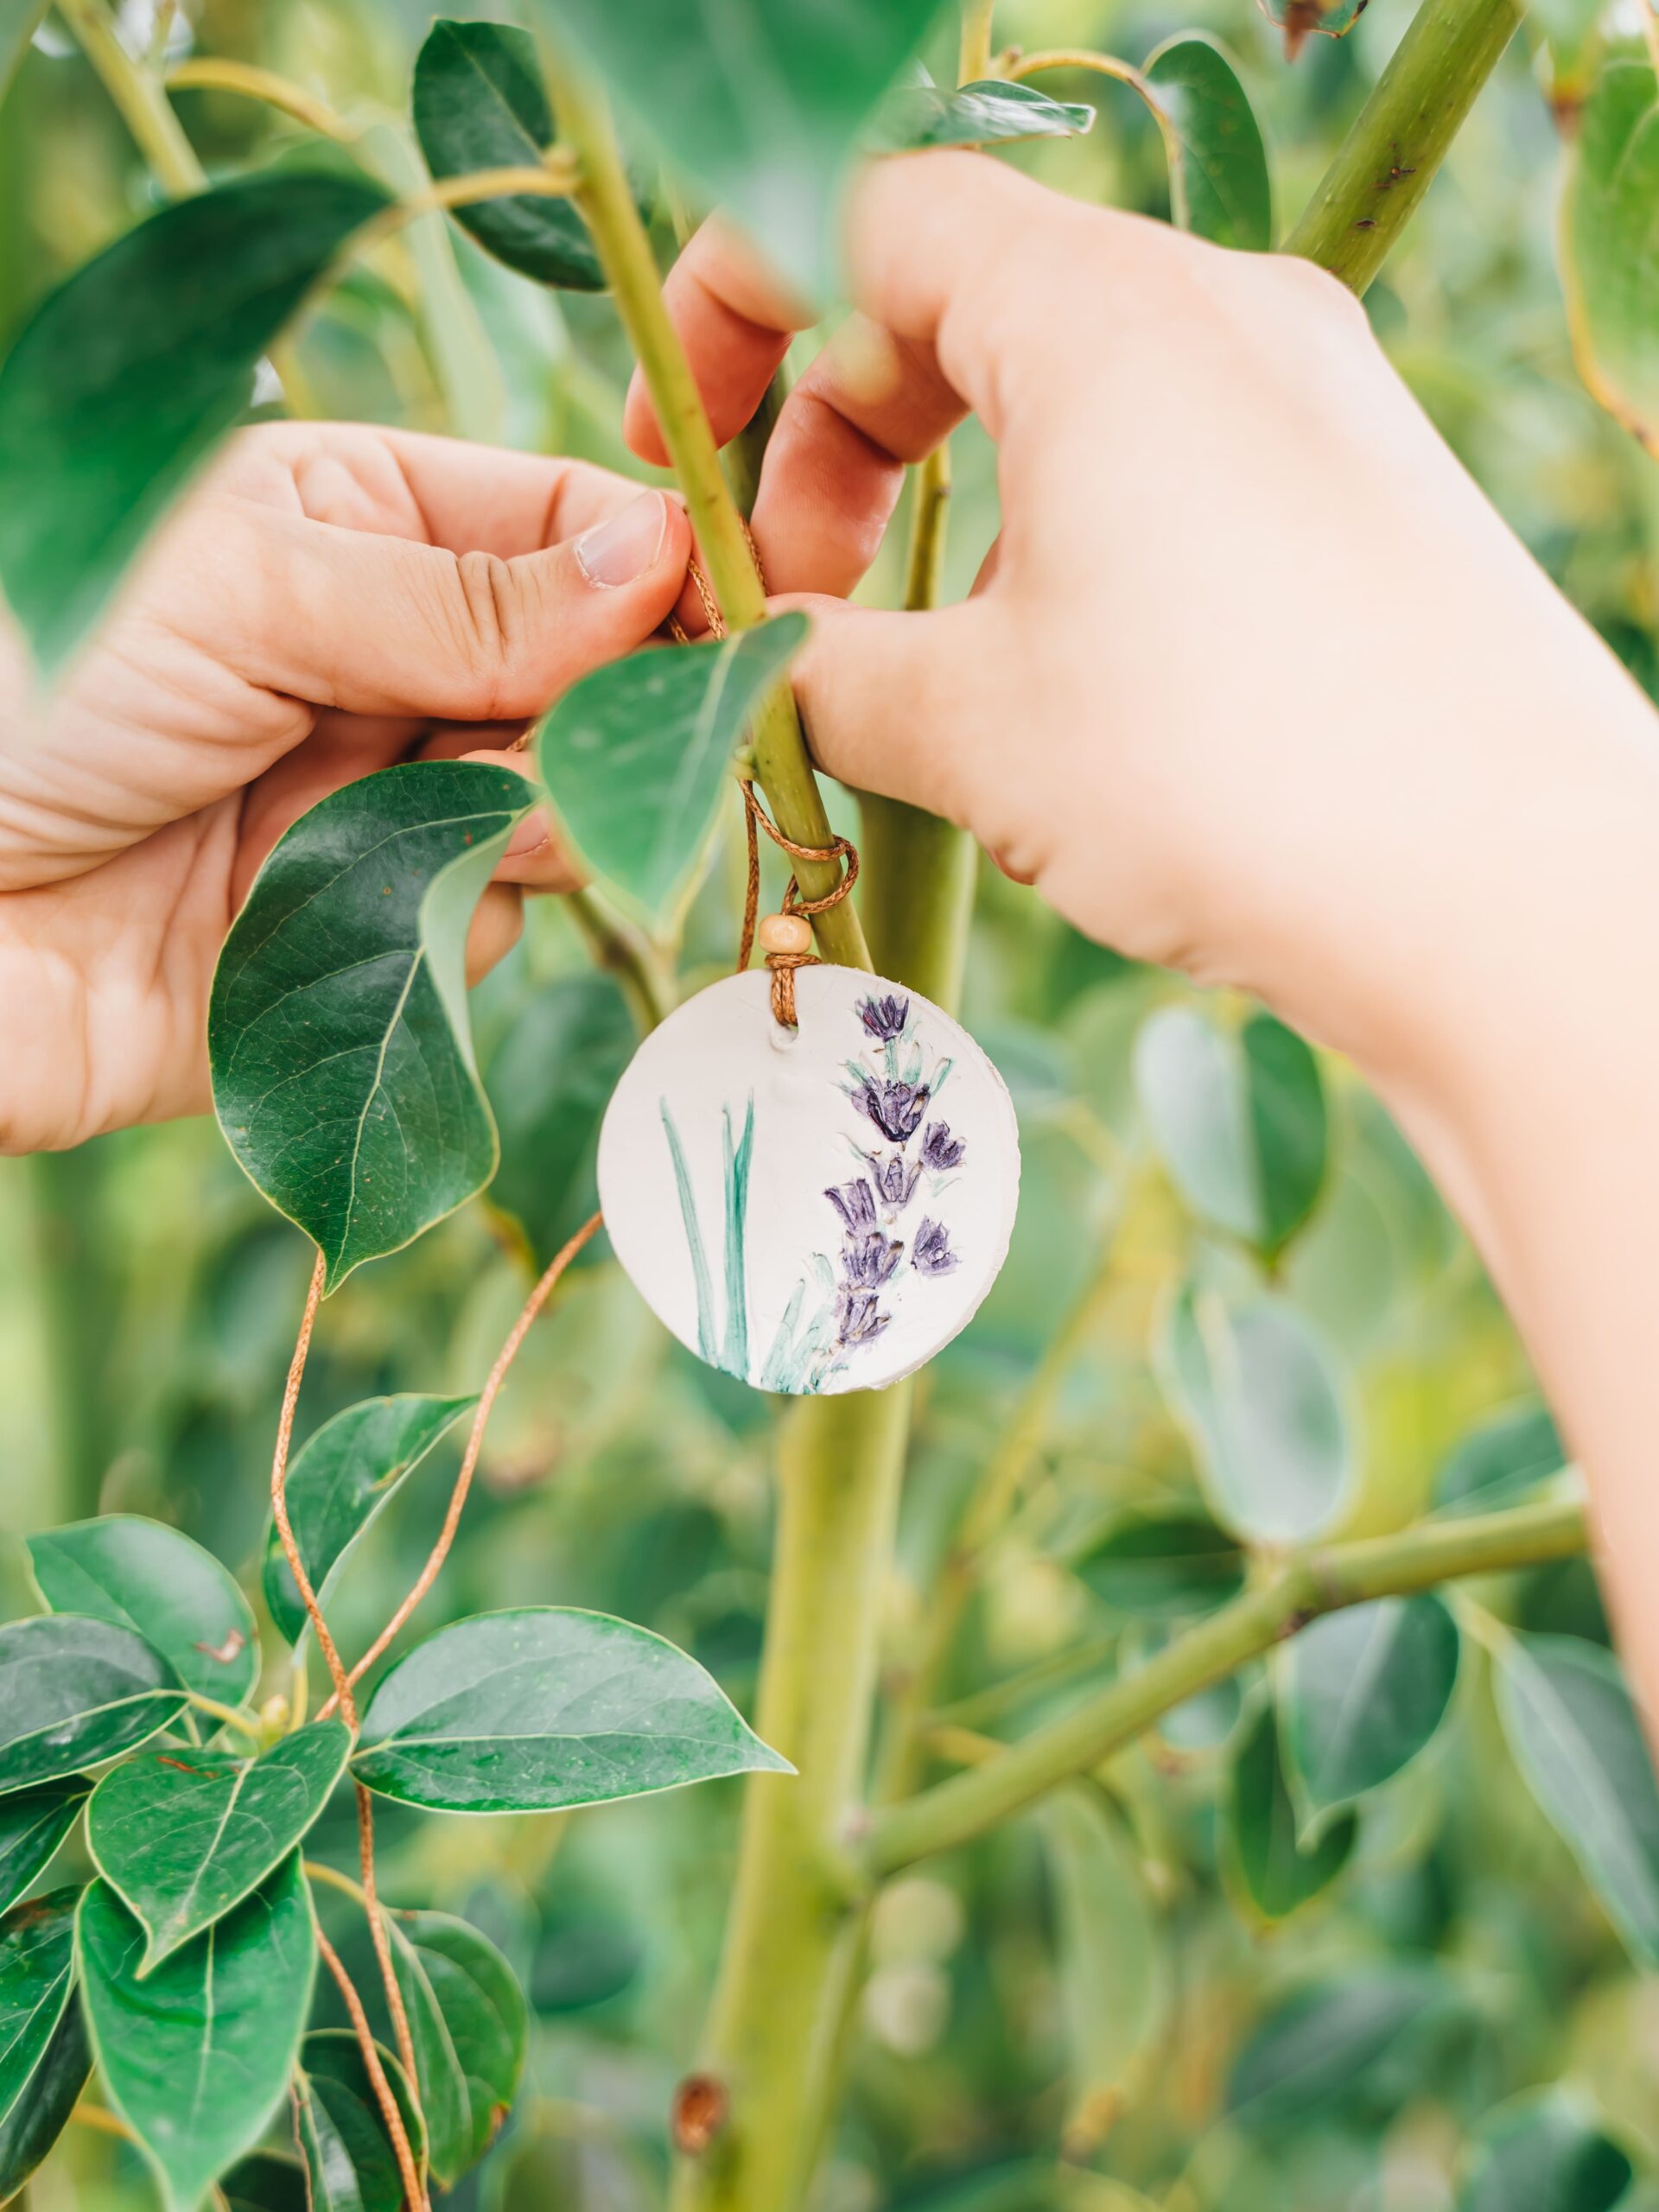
(130, 373)
(1500, 1462)
(1544, 2153)
(1576, 1738)
(549, 1080)
(37, 1956)
(342, 1058)
(19, 20)
(195, 2056)
(34, 2122)
(1610, 244)
(184, 1835)
(529, 1710)
(34, 1825)
(73, 1693)
(982, 114)
(1324, 2040)
(337, 1484)
(1278, 1874)
(469, 2024)
(268, 2181)
(638, 756)
(1161, 1565)
(144, 1576)
(1219, 185)
(349, 2161)
(1258, 1396)
(1363, 1692)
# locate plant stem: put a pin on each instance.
(1387, 160)
(226, 1716)
(1308, 1584)
(137, 93)
(211, 73)
(625, 952)
(974, 52)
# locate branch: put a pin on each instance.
(1306, 1585)
(209, 73)
(390, 2111)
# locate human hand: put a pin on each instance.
(333, 599)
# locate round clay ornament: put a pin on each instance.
(813, 1210)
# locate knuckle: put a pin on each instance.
(485, 620)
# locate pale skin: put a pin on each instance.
(1257, 685)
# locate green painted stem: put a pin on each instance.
(1308, 1584)
(1387, 160)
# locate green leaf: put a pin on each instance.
(1298, 18)
(549, 1080)
(1362, 1694)
(144, 1576)
(478, 104)
(1500, 1462)
(1544, 2153)
(1258, 1396)
(1576, 1738)
(342, 1058)
(184, 1835)
(1162, 1566)
(1277, 1874)
(1324, 2041)
(764, 105)
(1239, 1119)
(37, 1958)
(73, 1693)
(982, 114)
(469, 2024)
(637, 758)
(529, 1710)
(350, 2164)
(1610, 248)
(34, 1824)
(195, 2056)
(338, 1483)
(269, 2180)
(128, 374)
(19, 20)
(36, 2119)
(1220, 184)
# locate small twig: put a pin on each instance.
(325, 1644)
(317, 1870)
(377, 1920)
(391, 2111)
(227, 1716)
(103, 2121)
(211, 73)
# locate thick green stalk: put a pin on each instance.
(1387, 160)
(140, 96)
(1308, 1584)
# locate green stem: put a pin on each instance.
(974, 53)
(748, 449)
(626, 953)
(139, 95)
(76, 1314)
(227, 1717)
(1387, 160)
(1307, 1585)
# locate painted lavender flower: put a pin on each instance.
(930, 1254)
(858, 1317)
(895, 1179)
(941, 1152)
(870, 1261)
(895, 1108)
(884, 1018)
(855, 1203)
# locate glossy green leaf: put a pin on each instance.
(1219, 185)
(549, 1080)
(1258, 1396)
(195, 2056)
(1362, 1694)
(34, 1825)
(34, 2122)
(349, 2161)
(467, 2018)
(479, 103)
(983, 114)
(130, 373)
(19, 20)
(1544, 2153)
(342, 1058)
(269, 2180)
(1277, 1872)
(1324, 2040)
(1576, 1738)
(183, 1835)
(73, 1693)
(37, 1957)
(529, 1710)
(144, 1576)
(638, 759)
(339, 1481)
(1500, 1462)
(1298, 19)
(764, 105)
(1162, 1565)
(1610, 246)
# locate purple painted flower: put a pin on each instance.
(895, 1179)
(885, 1019)
(931, 1250)
(895, 1108)
(868, 1261)
(858, 1317)
(855, 1203)
(940, 1150)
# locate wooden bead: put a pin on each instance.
(785, 934)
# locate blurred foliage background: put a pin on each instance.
(149, 1303)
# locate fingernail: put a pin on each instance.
(617, 551)
(529, 837)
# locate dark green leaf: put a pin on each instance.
(1288, 1124)
(469, 2021)
(33, 1825)
(1500, 1462)
(37, 1957)
(550, 1081)
(1577, 1740)
(184, 1835)
(19, 20)
(1218, 180)
(1277, 1874)
(1324, 2041)
(196, 2055)
(349, 2160)
(1544, 2153)
(269, 2181)
(529, 1710)
(73, 1693)
(342, 1058)
(978, 115)
(144, 1576)
(637, 758)
(1610, 247)
(130, 373)
(1363, 1692)
(1162, 1565)
(338, 1482)
(36, 2122)
(480, 105)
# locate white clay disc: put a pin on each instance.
(814, 1210)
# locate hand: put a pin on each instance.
(332, 600)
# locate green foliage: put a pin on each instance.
(1363, 1692)
(350, 2164)
(1545, 2154)
(19, 20)
(74, 1692)
(1609, 256)
(1277, 1871)
(38, 2117)
(1161, 1565)
(34, 1826)
(1500, 1462)
(1321, 2044)
(918, 116)
(149, 1579)
(268, 2181)
(37, 1948)
(549, 1080)
(1219, 185)
(469, 2021)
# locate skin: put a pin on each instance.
(1255, 685)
